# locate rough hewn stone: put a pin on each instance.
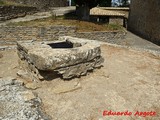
(70, 62)
(11, 12)
(102, 35)
(9, 35)
(43, 4)
(19, 33)
(18, 103)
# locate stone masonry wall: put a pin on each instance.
(102, 35)
(43, 4)
(144, 19)
(10, 12)
(9, 35)
(35, 33)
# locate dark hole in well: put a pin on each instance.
(61, 45)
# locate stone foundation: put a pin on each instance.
(42, 4)
(69, 57)
(12, 34)
(40, 33)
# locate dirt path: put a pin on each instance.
(8, 63)
(135, 41)
(129, 80)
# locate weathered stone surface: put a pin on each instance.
(42, 4)
(76, 60)
(40, 33)
(32, 85)
(3, 47)
(11, 34)
(103, 35)
(79, 69)
(18, 103)
(27, 95)
(11, 12)
(23, 74)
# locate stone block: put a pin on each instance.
(69, 57)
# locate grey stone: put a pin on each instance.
(32, 86)
(7, 81)
(18, 103)
(79, 69)
(23, 74)
(3, 47)
(80, 57)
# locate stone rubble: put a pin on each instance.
(18, 103)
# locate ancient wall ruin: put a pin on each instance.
(35, 33)
(144, 19)
(10, 12)
(43, 4)
(10, 34)
(69, 57)
(102, 35)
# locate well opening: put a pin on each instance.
(65, 44)
(75, 58)
(61, 45)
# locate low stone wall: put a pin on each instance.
(9, 35)
(42, 4)
(102, 35)
(10, 12)
(35, 33)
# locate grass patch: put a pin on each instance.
(114, 26)
(1, 2)
(82, 26)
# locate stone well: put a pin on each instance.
(69, 57)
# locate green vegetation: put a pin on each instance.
(84, 6)
(82, 26)
(93, 3)
(1, 2)
(114, 27)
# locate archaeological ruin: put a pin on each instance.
(69, 57)
(42, 4)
